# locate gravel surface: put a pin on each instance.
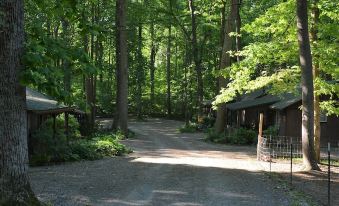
(166, 168)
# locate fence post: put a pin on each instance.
(291, 156)
(270, 147)
(329, 174)
(261, 121)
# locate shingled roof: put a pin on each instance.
(40, 103)
(286, 102)
(277, 102)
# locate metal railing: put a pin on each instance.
(271, 147)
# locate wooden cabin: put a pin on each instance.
(282, 111)
(40, 107)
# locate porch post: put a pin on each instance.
(261, 121)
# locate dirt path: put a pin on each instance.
(166, 168)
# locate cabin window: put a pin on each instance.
(323, 117)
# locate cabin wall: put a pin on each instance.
(330, 131)
(249, 117)
(290, 125)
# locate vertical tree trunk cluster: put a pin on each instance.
(121, 116)
(309, 159)
(14, 181)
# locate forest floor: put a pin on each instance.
(166, 168)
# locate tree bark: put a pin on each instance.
(314, 39)
(309, 159)
(67, 72)
(121, 116)
(140, 74)
(168, 72)
(15, 188)
(152, 62)
(225, 61)
(196, 58)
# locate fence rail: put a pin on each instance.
(279, 147)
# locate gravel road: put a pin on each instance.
(166, 168)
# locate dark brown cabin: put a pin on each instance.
(279, 110)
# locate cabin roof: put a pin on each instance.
(259, 98)
(247, 103)
(286, 102)
(41, 103)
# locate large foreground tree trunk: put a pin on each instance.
(14, 182)
(121, 117)
(225, 61)
(307, 87)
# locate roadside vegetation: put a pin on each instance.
(53, 146)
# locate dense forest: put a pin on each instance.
(167, 58)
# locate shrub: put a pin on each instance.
(215, 137)
(242, 136)
(48, 149)
(272, 130)
(189, 128)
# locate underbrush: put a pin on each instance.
(48, 148)
(189, 128)
(204, 125)
(239, 136)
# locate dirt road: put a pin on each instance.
(166, 168)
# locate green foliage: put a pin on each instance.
(215, 137)
(191, 127)
(51, 149)
(270, 59)
(272, 130)
(97, 147)
(240, 136)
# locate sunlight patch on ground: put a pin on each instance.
(200, 162)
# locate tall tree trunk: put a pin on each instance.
(237, 5)
(186, 81)
(168, 72)
(140, 73)
(152, 62)
(225, 61)
(15, 188)
(309, 159)
(121, 116)
(196, 58)
(314, 39)
(67, 72)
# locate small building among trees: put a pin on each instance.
(281, 112)
(41, 107)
